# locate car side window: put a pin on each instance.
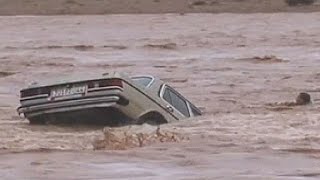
(166, 96)
(176, 101)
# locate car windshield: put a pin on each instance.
(143, 80)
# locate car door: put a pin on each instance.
(176, 103)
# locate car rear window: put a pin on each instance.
(144, 81)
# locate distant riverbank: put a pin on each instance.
(56, 7)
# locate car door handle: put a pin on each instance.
(169, 108)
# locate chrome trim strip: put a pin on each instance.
(150, 83)
(34, 97)
(73, 108)
(68, 103)
(104, 88)
(189, 108)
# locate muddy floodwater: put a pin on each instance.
(240, 69)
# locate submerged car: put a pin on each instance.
(114, 98)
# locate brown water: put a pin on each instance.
(114, 165)
(209, 58)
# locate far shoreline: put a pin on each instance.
(104, 7)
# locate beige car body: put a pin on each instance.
(138, 101)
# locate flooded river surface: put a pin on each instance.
(113, 165)
(238, 68)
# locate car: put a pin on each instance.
(113, 98)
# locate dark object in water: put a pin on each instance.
(303, 99)
(298, 2)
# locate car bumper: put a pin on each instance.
(72, 105)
